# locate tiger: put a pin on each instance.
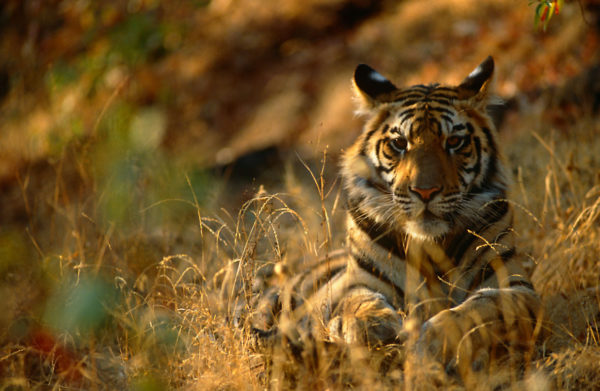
(430, 248)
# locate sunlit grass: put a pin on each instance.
(142, 307)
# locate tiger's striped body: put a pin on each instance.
(429, 232)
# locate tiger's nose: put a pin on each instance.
(425, 194)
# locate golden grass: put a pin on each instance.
(163, 323)
(166, 324)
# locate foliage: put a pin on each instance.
(545, 10)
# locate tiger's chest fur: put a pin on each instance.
(429, 228)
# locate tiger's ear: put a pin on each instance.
(476, 84)
(371, 88)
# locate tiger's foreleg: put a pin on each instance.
(365, 317)
(490, 323)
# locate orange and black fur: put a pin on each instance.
(430, 241)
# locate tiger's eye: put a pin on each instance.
(399, 144)
(454, 142)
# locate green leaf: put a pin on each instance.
(549, 12)
(538, 15)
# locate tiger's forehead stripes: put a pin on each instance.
(394, 131)
(426, 93)
(423, 108)
(422, 118)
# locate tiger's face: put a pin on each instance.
(427, 159)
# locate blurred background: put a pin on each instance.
(124, 122)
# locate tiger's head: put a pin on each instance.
(427, 160)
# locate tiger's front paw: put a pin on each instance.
(490, 326)
(366, 320)
(369, 332)
(442, 353)
(454, 341)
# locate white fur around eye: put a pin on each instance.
(399, 144)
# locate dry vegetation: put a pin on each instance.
(115, 223)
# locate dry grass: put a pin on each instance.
(162, 322)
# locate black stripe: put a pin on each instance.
(367, 265)
(315, 284)
(440, 100)
(508, 254)
(374, 185)
(434, 121)
(437, 96)
(441, 110)
(410, 102)
(488, 270)
(492, 165)
(378, 147)
(470, 127)
(381, 237)
(457, 248)
(297, 295)
(446, 89)
(477, 166)
(294, 302)
(363, 149)
(437, 273)
(377, 233)
(265, 334)
(413, 95)
(424, 87)
(468, 170)
(533, 315)
(387, 156)
(486, 273)
(494, 211)
(490, 139)
(404, 114)
(523, 283)
(446, 118)
(501, 317)
(381, 169)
